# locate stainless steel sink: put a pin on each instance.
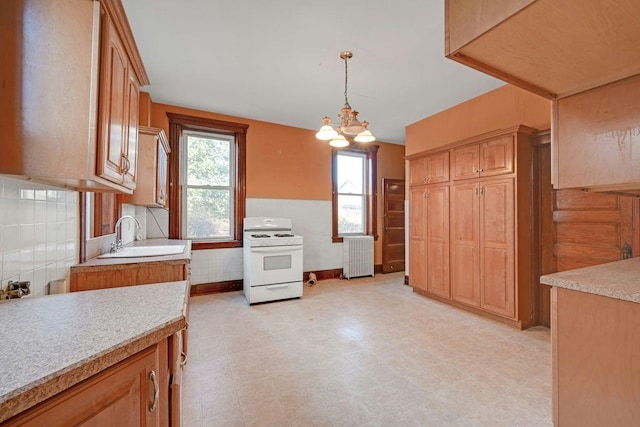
(145, 251)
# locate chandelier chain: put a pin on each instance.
(346, 71)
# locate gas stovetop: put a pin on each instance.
(261, 231)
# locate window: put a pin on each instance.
(206, 202)
(354, 191)
(208, 174)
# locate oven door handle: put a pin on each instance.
(272, 249)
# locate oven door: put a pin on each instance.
(275, 264)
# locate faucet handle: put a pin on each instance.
(113, 247)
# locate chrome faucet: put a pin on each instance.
(117, 245)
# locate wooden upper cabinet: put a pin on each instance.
(494, 157)
(152, 182)
(431, 169)
(69, 102)
(553, 48)
(465, 162)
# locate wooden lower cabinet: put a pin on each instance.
(128, 275)
(483, 245)
(128, 394)
(429, 239)
(596, 368)
(465, 240)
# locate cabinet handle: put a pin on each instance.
(184, 358)
(429, 179)
(126, 164)
(156, 391)
(482, 190)
(424, 180)
(476, 190)
(480, 170)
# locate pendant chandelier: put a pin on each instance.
(349, 124)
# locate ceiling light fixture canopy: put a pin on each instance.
(349, 124)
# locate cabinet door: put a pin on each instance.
(437, 240)
(497, 247)
(131, 159)
(122, 395)
(417, 254)
(417, 172)
(437, 167)
(464, 162)
(113, 105)
(465, 238)
(162, 177)
(496, 157)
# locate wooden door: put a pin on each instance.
(417, 237)
(464, 162)
(437, 240)
(496, 156)
(437, 167)
(113, 104)
(393, 194)
(543, 192)
(465, 238)
(497, 246)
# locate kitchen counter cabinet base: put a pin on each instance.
(121, 395)
(596, 368)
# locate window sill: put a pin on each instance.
(196, 245)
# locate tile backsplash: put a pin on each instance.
(39, 228)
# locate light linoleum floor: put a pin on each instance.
(364, 352)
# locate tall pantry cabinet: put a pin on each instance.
(471, 235)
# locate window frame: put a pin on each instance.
(371, 156)
(186, 133)
(178, 123)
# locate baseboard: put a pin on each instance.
(236, 285)
(215, 288)
(480, 312)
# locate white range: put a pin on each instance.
(272, 260)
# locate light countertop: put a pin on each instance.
(48, 344)
(619, 279)
(110, 263)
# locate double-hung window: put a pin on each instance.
(354, 192)
(207, 176)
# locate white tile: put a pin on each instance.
(27, 235)
(26, 260)
(10, 264)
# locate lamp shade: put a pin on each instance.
(353, 128)
(339, 141)
(326, 133)
(365, 136)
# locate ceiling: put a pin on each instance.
(278, 61)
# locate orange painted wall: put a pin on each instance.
(502, 107)
(285, 162)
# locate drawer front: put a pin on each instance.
(273, 292)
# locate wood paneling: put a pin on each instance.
(417, 238)
(592, 228)
(596, 367)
